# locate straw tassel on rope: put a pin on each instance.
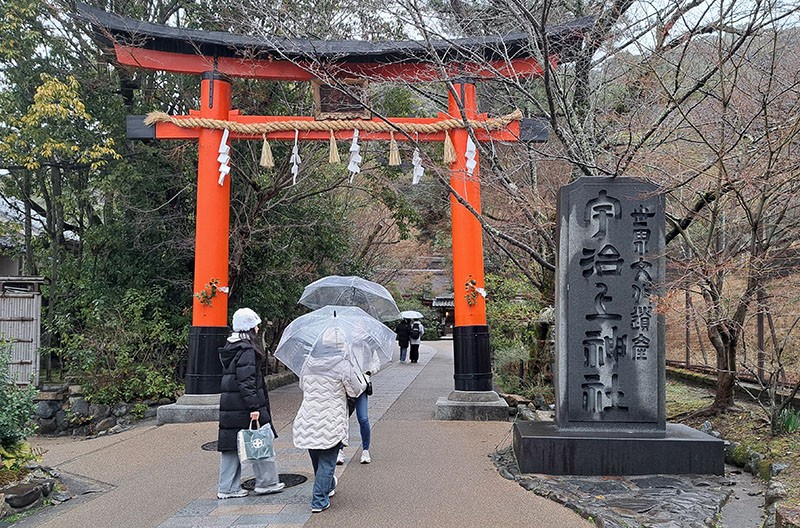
(333, 154)
(449, 149)
(266, 154)
(394, 152)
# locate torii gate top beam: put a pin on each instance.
(159, 47)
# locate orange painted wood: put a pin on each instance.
(213, 209)
(199, 64)
(287, 71)
(170, 131)
(467, 239)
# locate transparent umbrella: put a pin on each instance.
(411, 314)
(317, 342)
(351, 291)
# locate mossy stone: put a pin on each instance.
(765, 470)
(740, 455)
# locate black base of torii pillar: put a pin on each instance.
(473, 397)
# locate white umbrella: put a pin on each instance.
(411, 314)
(315, 343)
(351, 291)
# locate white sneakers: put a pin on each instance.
(365, 458)
(277, 488)
(233, 494)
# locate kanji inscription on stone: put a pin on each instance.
(609, 335)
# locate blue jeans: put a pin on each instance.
(324, 462)
(403, 352)
(363, 420)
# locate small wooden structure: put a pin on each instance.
(446, 307)
(20, 318)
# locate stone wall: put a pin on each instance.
(63, 411)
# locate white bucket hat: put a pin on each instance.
(245, 319)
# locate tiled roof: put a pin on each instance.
(444, 301)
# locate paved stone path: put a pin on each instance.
(425, 472)
(290, 508)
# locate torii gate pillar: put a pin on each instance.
(200, 401)
(473, 397)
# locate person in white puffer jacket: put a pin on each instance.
(321, 424)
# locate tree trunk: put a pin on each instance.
(55, 223)
(28, 267)
(723, 399)
(724, 336)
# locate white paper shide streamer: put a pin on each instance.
(224, 157)
(470, 154)
(354, 166)
(419, 170)
(295, 159)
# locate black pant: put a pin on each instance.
(414, 356)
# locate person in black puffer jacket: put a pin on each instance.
(243, 397)
(403, 332)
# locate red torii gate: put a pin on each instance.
(216, 56)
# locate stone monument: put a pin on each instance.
(610, 354)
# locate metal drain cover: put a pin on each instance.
(290, 479)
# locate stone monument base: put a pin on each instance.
(541, 448)
(479, 406)
(190, 408)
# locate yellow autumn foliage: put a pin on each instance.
(57, 129)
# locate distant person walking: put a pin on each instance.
(321, 424)
(243, 398)
(416, 333)
(403, 331)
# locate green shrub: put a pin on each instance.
(18, 408)
(520, 360)
(138, 410)
(127, 352)
(790, 420)
(129, 383)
